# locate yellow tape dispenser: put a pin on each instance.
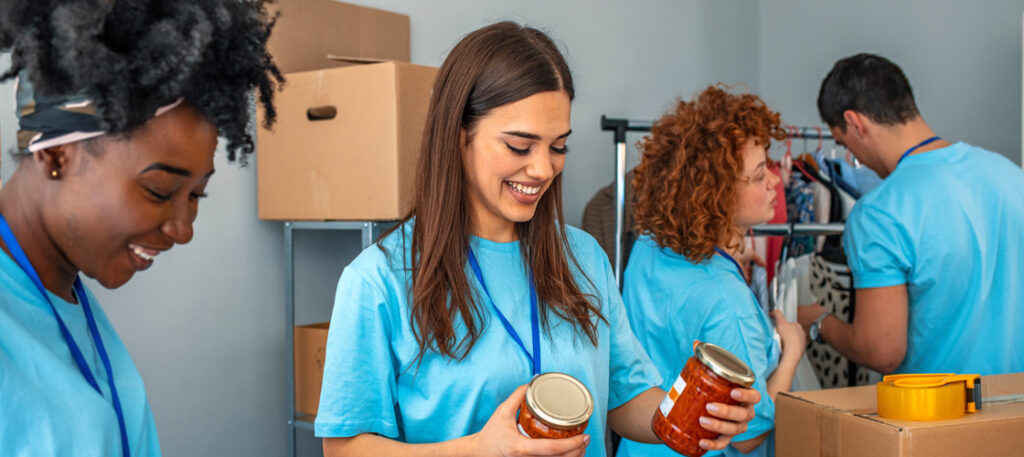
(928, 397)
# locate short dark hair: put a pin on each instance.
(131, 56)
(868, 84)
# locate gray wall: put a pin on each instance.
(629, 59)
(206, 323)
(963, 59)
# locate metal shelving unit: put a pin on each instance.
(370, 231)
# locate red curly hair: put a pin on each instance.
(685, 185)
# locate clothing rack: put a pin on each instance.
(798, 229)
(619, 127)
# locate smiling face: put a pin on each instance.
(122, 201)
(755, 188)
(511, 157)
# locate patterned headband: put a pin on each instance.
(45, 122)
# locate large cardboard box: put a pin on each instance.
(310, 352)
(307, 31)
(345, 143)
(844, 423)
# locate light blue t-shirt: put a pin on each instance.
(372, 385)
(46, 405)
(672, 301)
(948, 223)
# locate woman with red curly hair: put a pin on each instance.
(702, 182)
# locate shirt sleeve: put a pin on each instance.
(631, 370)
(876, 249)
(727, 329)
(359, 384)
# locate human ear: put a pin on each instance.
(53, 162)
(856, 121)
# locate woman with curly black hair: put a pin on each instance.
(120, 104)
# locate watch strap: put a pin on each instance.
(816, 328)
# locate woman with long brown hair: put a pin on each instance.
(702, 182)
(482, 286)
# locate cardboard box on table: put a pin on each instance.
(310, 351)
(844, 423)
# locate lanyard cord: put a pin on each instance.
(534, 326)
(918, 145)
(729, 258)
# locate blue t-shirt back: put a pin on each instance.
(948, 223)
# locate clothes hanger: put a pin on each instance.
(786, 164)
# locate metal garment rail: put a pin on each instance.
(619, 127)
(798, 228)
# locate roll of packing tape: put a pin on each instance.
(927, 397)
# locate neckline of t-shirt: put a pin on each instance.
(712, 264)
(484, 244)
(934, 154)
(718, 262)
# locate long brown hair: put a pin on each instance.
(493, 66)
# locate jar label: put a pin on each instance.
(673, 393)
(521, 431)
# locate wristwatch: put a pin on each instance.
(815, 331)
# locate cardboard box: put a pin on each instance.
(310, 352)
(345, 144)
(844, 423)
(309, 30)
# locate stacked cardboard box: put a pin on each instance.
(349, 118)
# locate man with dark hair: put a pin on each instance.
(936, 249)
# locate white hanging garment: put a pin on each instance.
(791, 288)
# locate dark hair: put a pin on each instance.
(132, 56)
(868, 84)
(685, 184)
(493, 66)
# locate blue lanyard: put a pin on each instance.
(729, 258)
(535, 357)
(22, 260)
(925, 142)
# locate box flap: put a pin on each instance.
(309, 30)
(356, 60)
(317, 326)
(852, 399)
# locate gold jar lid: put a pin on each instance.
(723, 363)
(559, 400)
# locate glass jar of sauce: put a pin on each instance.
(708, 377)
(556, 405)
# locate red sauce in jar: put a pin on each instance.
(555, 406)
(708, 377)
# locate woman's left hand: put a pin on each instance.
(729, 420)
